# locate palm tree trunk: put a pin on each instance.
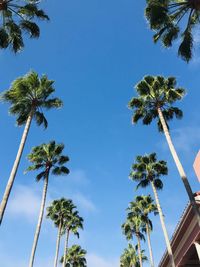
(66, 247)
(169, 249)
(58, 245)
(139, 251)
(15, 167)
(179, 166)
(38, 228)
(150, 247)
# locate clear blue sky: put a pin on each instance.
(96, 51)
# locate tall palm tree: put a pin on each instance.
(28, 96)
(72, 224)
(58, 212)
(155, 99)
(49, 159)
(130, 257)
(18, 16)
(147, 171)
(143, 206)
(174, 19)
(75, 257)
(134, 226)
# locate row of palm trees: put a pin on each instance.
(66, 218)
(28, 97)
(155, 99)
(146, 170)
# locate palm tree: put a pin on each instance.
(49, 159)
(147, 170)
(143, 206)
(134, 226)
(130, 257)
(17, 16)
(27, 96)
(156, 96)
(72, 224)
(58, 212)
(75, 257)
(174, 19)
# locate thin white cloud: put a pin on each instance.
(185, 139)
(196, 53)
(9, 261)
(83, 202)
(24, 202)
(79, 177)
(94, 260)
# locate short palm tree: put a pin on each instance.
(147, 171)
(58, 212)
(134, 226)
(173, 19)
(71, 225)
(142, 206)
(28, 96)
(18, 16)
(155, 100)
(49, 159)
(75, 257)
(130, 257)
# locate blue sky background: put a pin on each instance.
(96, 51)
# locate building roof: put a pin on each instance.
(186, 233)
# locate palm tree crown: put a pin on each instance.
(17, 17)
(30, 95)
(59, 210)
(133, 226)
(156, 92)
(48, 158)
(147, 169)
(142, 206)
(130, 257)
(75, 257)
(73, 222)
(172, 19)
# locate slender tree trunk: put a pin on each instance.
(169, 249)
(150, 247)
(179, 166)
(139, 251)
(58, 244)
(66, 247)
(15, 168)
(38, 228)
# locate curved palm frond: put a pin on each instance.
(17, 17)
(174, 19)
